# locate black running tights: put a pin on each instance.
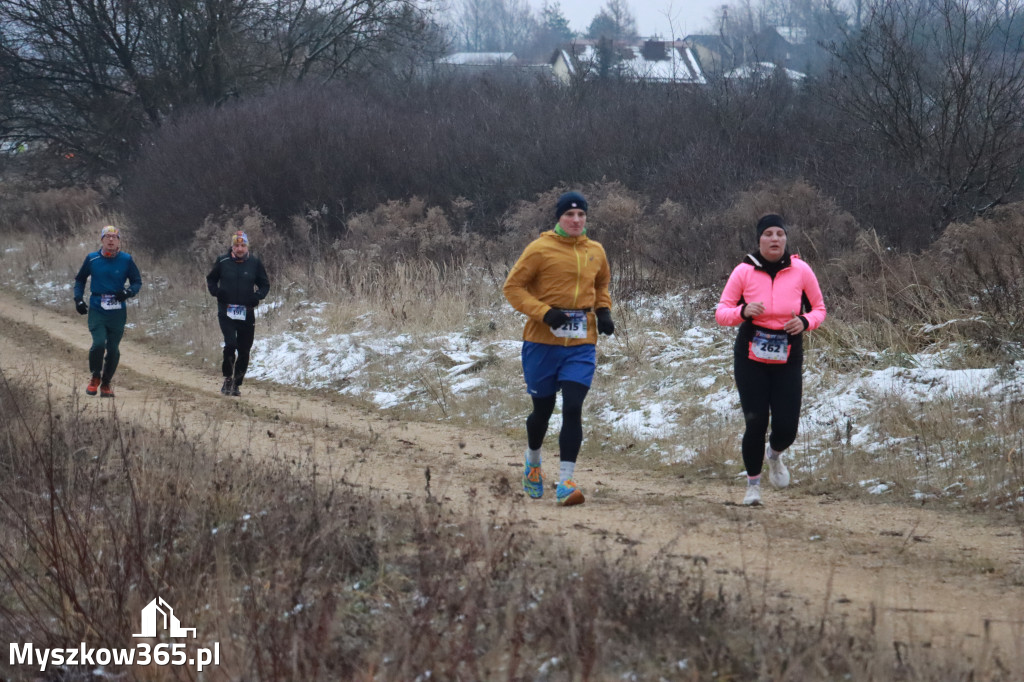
(768, 392)
(571, 436)
(238, 339)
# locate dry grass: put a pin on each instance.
(299, 576)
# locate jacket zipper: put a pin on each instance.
(579, 275)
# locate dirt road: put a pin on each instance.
(948, 581)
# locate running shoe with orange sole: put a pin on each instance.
(568, 495)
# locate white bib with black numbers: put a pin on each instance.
(575, 327)
(108, 302)
(236, 312)
(769, 347)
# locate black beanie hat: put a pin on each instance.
(569, 201)
(770, 220)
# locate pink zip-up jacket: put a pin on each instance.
(792, 287)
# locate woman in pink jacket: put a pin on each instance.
(774, 297)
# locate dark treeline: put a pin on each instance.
(916, 123)
(499, 139)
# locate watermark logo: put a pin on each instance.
(158, 611)
(157, 616)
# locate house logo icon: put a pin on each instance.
(160, 611)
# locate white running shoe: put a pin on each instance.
(778, 474)
(753, 496)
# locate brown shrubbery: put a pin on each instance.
(51, 213)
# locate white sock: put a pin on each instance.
(772, 455)
(565, 471)
(533, 456)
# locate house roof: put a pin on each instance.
(679, 65)
(478, 58)
(712, 42)
(763, 70)
(794, 35)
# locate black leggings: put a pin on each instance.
(238, 337)
(768, 392)
(571, 436)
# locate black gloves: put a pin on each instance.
(555, 318)
(81, 307)
(122, 295)
(254, 300)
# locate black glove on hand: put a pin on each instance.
(254, 300)
(555, 318)
(604, 322)
(81, 307)
(123, 295)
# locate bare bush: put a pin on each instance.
(939, 84)
(213, 239)
(406, 230)
(52, 213)
(91, 78)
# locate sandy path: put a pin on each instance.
(933, 579)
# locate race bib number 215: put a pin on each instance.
(575, 327)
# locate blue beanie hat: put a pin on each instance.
(569, 201)
(770, 220)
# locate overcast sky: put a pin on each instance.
(688, 16)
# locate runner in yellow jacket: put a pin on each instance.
(560, 283)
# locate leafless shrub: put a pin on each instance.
(52, 213)
(214, 237)
(965, 287)
(407, 230)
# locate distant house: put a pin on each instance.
(719, 54)
(652, 61)
(713, 53)
(763, 71)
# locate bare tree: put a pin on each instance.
(615, 21)
(941, 82)
(496, 25)
(89, 75)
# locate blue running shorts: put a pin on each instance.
(545, 366)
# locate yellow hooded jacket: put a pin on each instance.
(571, 273)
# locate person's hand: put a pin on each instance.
(605, 325)
(122, 295)
(81, 307)
(752, 310)
(555, 318)
(254, 300)
(794, 325)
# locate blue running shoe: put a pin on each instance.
(533, 481)
(568, 495)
